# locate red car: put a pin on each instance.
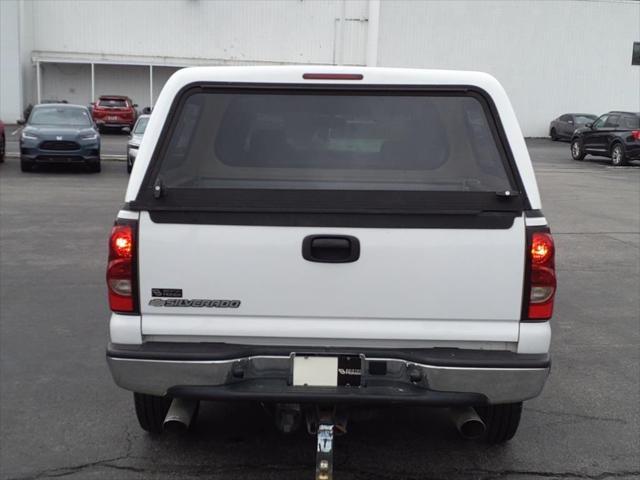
(114, 111)
(3, 142)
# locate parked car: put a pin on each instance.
(615, 135)
(134, 140)
(319, 241)
(562, 128)
(59, 133)
(114, 111)
(3, 142)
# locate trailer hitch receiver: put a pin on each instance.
(324, 453)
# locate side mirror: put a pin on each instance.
(126, 129)
(135, 105)
(589, 125)
(20, 122)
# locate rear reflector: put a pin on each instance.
(540, 289)
(121, 272)
(332, 76)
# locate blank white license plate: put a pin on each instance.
(315, 371)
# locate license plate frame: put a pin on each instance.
(326, 370)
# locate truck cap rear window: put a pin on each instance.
(331, 141)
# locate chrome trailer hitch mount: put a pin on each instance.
(324, 422)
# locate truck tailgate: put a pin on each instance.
(418, 284)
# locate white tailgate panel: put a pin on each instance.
(420, 284)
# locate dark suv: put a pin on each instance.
(615, 135)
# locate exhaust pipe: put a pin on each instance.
(180, 414)
(468, 422)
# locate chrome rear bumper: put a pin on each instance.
(268, 378)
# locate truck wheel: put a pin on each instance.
(577, 150)
(151, 411)
(617, 155)
(501, 421)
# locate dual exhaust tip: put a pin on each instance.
(468, 422)
(182, 411)
(180, 414)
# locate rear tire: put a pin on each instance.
(3, 147)
(554, 135)
(502, 421)
(618, 157)
(577, 149)
(151, 411)
(26, 165)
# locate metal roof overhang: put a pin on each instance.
(40, 56)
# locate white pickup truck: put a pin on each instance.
(324, 238)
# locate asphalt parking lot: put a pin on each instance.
(62, 416)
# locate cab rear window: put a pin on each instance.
(328, 140)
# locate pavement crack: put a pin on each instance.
(493, 474)
(65, 471)
(105, 463)
(163, 468)
(577, 415)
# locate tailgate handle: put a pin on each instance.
(331, 248)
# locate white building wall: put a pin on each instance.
(551, 57)
(132, 81)
(72, 82)
(66, 81)
(230, 31)
(160, 77)
(10, 69)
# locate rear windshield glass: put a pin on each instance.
(330, 141)
(112, 102)
(141, 125)
(63, 116)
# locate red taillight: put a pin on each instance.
(121, 272)
(636, 134)
(332, 76)
(541, 248)
(542, 276)
(122, 241)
